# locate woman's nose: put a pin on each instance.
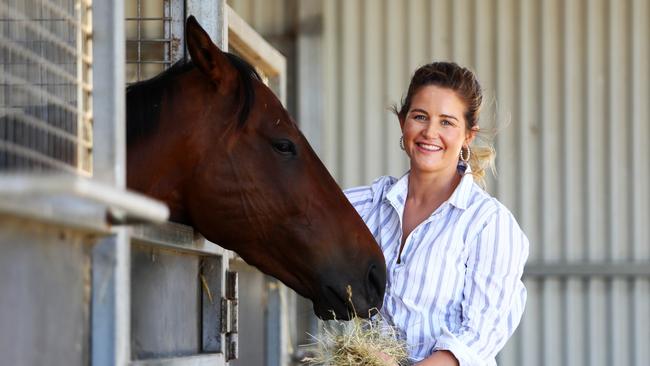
(430, 131)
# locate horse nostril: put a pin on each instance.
(375, 285)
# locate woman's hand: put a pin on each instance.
(388, 360)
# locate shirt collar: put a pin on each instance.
(397, 193)
(459, 198)
(461, 195)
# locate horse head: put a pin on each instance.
(212, 141)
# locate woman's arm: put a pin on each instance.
(439, 358)
(493, 296)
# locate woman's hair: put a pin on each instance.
(465, 84)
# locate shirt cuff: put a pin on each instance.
(465, 355)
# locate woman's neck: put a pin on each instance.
(431, 188)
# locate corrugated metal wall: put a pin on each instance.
(568, 87)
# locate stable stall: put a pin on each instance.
(91, 273)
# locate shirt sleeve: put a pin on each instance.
(494, 295)
(361, 199)
(364, 198)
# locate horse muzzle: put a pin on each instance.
(340, 298)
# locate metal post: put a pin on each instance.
(212, 16)
(108, 97)
(111, 309)
(273, 325)
(111, 256)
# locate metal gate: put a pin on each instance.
(79, 290)
(45, 86)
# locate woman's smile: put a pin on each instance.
(428, 148)
(434, 130)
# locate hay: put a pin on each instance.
(358, 342)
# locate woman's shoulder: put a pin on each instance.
(494, 224)
(485, 208)
(365, 197)
(378, 187)
(385, 182)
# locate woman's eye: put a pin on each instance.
(445, 122)
(285, 147)
(420, 117)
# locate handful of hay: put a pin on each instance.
(358, 342)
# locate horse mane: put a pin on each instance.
(143, 110)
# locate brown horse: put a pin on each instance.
(212, 141)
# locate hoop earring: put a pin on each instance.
(463, 158)
(401, 143)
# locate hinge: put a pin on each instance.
(230, 315)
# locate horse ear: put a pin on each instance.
(205, 54)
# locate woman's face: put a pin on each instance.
(434, 130)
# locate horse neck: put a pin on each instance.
(157, 164)
(161, 164)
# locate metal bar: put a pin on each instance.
(177, 30)
(15, 81)
(212, 304)
(40, 124)
(111, 315)
(131, 204)
(40, 83)
(209, 14)
(39, 19)
(109, 152)
(148, 18)
(167, 29)
(149, 62)
(150, 40)
(273, 351)
(139, 29)
(639, 194)
(76, 214)
(199, 360)
(586, 269)
(80, 95)
(232, 296)
(36, 156)
(85, 155)
(175, 236)
(222, 36)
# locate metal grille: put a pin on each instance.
(45, 85)
(154, 32)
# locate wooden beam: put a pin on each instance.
(252, 47)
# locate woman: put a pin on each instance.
(454, 254)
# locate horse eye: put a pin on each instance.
(285, 147)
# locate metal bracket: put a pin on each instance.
(230, 315)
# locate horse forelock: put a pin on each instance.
(143, 113)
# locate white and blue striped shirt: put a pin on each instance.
(458, 286)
